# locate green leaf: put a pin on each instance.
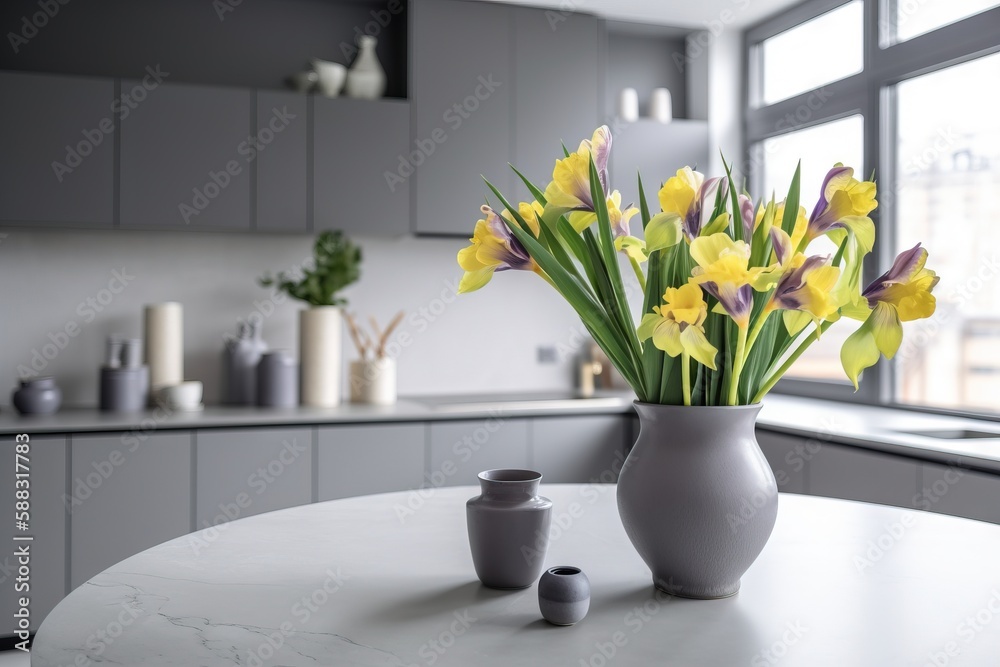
(792, 202)
(737, 232)
(535, 192)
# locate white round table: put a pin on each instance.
(388, 580)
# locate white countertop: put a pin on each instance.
(363, 581)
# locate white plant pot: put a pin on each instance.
(373, 381)
(319, 351)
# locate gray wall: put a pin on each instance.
(482, 342)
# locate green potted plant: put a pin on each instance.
(337, 265)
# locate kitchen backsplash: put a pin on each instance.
(64, 292)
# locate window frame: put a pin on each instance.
(869, 93)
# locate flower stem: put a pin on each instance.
(686, 376)
(803, 346)
(741, 350)
(758, 326)
(638, 273)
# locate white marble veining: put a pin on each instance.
(388, 580)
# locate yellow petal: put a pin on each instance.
(705, 250)
(663, 231)
(795, 320)
(678, 193)
(886, 329)
(474, 280)
(648, 325)
(721, 223)
(667, 337)
(633, 247)
(859, 352)
(696, 344)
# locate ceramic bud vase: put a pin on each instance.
(37, 396)
(509, 528)
(697, 497)
(240, 359)
(373, 381)
(366, 78)
(319, 355)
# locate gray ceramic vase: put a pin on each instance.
(697, 498)
(509, 528)
(37, 396)
(564, 595)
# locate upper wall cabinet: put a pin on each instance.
(58, 138)
(186, 157)
(358, 147)
(463, 93)
(281, 150)
(557, 82)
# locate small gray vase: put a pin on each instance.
(509, 528)
(697, 497)
(564, 595)
(37, 396)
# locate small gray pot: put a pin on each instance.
(37, 396)
(697, 497)
(509, 528)
(564, 595)
(277, 380)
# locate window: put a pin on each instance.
(820, 147)
(911, 98)
(910, 18)
(799, 59)
(948, 176)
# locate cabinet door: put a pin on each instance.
(360, 460)
(852, 473)
(130, 492)
(357, 148)
(243, 472)
(281, 153)
(787, 456)
(462, 90)
(46, 462)
(58, 138)
(966, 493)
(557, 78)
(578, 450)
(655, 150)
(460, 450)
(185, 157)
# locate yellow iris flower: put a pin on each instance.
(494, 248)
(677, 326)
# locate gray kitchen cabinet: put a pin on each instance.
(46, 468)
(959, 492)
(358, 146)
(462, 75)
(579, 449)
(852, 473)
(655, 150)
(248, 471)
(787, 456)
(131, 491)
(185, 153)
(460, 450)
(57, 163)
(281, 151)
(361, 460)
(557, 80)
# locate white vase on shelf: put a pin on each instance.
(319, 351)
(366, 78)
(661, 106)
(628, 105)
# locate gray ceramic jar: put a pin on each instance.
(564, 595)
(509, 528)
(37, 396)
(277, 380)
(697, 497)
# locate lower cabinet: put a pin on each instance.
(46, 487)
(460, 450)
(852, 473)
(576, 450)
(130, 492)
(786, 455)
(361, 460)
(966, 493)
(243, 472)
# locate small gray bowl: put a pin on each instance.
(564, 595)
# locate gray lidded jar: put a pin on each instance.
(564, 595)
(509, 528)
(697, 497)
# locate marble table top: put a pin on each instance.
(388, 580)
